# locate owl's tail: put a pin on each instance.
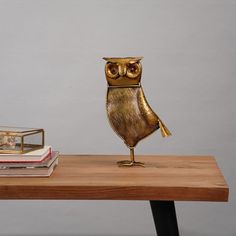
(164, 130)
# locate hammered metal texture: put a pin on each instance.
(130, 115)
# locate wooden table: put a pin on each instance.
(163, 180)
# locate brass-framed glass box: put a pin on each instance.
(17, 140)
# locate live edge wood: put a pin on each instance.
(184, 178)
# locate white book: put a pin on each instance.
(34, 156)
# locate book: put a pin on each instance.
(29, 171)
(44, 163)
(34, 156)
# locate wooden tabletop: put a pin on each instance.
(184, 178)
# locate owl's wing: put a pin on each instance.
(130, 115)
(151, 116)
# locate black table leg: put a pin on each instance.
(165, 218)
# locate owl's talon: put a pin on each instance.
(128, 163)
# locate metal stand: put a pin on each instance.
(130, 162)
(165, 218)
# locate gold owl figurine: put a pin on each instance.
(128, 111)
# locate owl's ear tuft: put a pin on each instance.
(106, 58)
(139, 58)
(110, 59)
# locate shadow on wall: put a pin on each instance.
(184, 232)
(189, 233)
(86, 235)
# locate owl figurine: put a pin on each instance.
(128, 111)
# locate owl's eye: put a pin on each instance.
(112, 70)
(133, 70)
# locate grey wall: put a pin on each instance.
(52, 76)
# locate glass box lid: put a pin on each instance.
(19, 140)
(19, 130)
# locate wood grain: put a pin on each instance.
(183, 178)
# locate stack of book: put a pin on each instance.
(39, 163)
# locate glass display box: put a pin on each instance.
(17, 140)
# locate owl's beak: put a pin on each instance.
(122, 70)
